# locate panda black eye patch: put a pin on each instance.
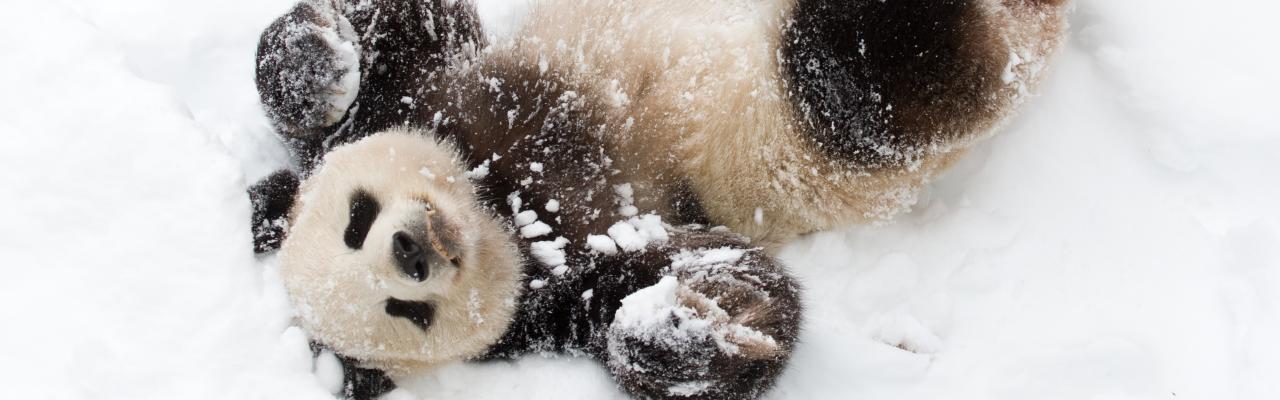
(364, 210)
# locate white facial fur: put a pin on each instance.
(341, 293)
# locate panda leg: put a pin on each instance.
(308, 68)
(370, 64)
(357, 383)
(363, 383)
(721, 324)
(408, 47)
(881, 83)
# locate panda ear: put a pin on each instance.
(272, 198)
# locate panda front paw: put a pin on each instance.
(308, 67)
(669, 341)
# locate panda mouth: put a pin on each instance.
(420, 313)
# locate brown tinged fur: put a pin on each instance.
(813, 114)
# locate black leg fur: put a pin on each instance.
(300, 67)
(879, 82)
(272, 199)
(663, 360)
(753, 291)
(358, 383)
(404, 47)
(407, 46)
(363, 383)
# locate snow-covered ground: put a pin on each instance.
(1120, 240)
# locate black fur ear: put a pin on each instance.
(272, 198)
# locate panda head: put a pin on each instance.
(389, 260)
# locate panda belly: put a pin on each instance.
(698, 105)
(715, 98)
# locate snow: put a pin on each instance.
(479, 172)
(626, 200)
(535, 229)
(635, 233)
(706, 257)
(663, 313)
(602, 244)
(626, 237)
(329, 371)
(905, 332)
(560, 270)
(655, 314)
(342, 96)
(650, 227)
(649, 307)
(550, 252)
(515, 202)
(1118, 240)
(526, 217)
(474, 306)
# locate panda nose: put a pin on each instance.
(410, 256)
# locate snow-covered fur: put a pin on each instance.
(789, 116)
(603, 128)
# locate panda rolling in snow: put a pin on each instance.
(467, 200)
(393, 261)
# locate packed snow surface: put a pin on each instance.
(1120, 240)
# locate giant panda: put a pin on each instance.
(604, 139)
(394, 263)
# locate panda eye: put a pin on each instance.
(364, 210)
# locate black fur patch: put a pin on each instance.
(560, 318)
(405, 58)
(534, 117)
(295, 68)
(358, 383)
(875, 82)
(363, 383)
(272, 198)
(685, 206)
(364, 211)
(421, 313)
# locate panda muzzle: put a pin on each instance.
(430, 244)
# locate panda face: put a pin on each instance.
(390, 261)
